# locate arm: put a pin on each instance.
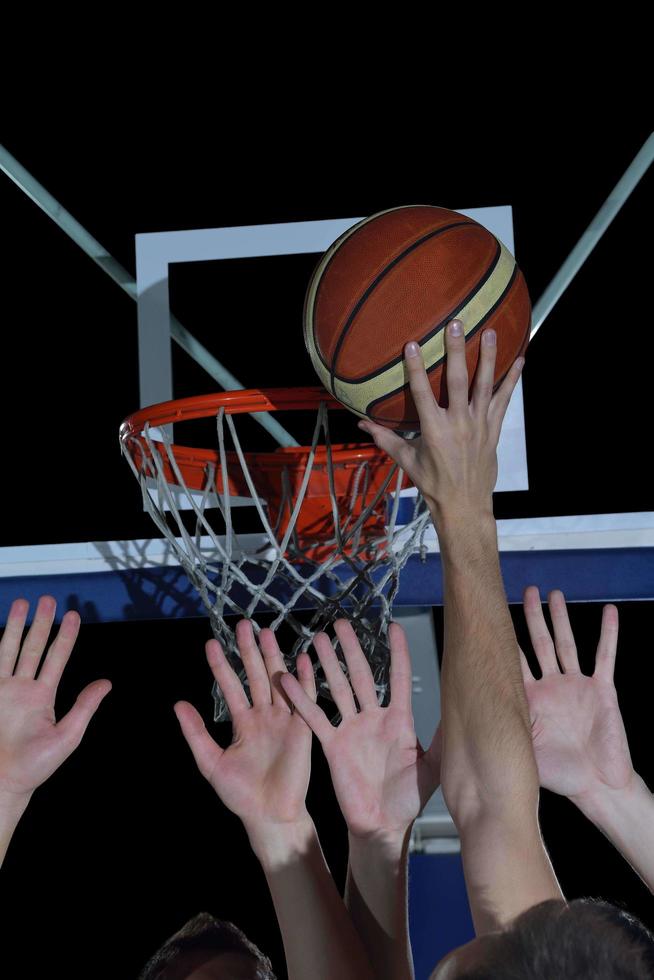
(376, 895)
(382, 779)
(490, 779)
(319, 938)
(489, 775)
(263, 778)
(32, 743)
(578, 734)
(626, 818)
(11, 810)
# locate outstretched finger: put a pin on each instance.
(275, 666)
(59, 653)
(205, 751)
(482, 389)
(307, 709)
(538, 631)
(456, 368)
(500, 400)
(607, 647)
(566, 648)
(306, 675)
(339, 685)
(12, 636)
(358, 667)
(37, 637)
(255, 668)
(228, 683)
(429, 411)
(401, 675)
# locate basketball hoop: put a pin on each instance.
(329, 536)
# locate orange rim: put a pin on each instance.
(238, 403)
(314, 523)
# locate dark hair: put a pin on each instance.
(204, 932)
(570, 941)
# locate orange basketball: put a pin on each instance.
(402, 275)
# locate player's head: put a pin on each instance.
(208, 949)
(583, 938)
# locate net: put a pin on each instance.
(329, 544)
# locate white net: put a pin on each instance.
(356, 576)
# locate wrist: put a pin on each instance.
(467, 541)
(456, 518)
(602, 803)
(12, 807)
(277, 844)
(12, 804)
(387, 842)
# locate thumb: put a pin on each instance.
(72, 726)
(389, 442)
(206, 751)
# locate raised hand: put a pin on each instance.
(381, 775)
(453, 462)
(578, 734)
(263, 775)
(32, 743)
(263, 778)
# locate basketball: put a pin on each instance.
(401, 275)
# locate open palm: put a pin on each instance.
(264, 773)
(578, 734)
(381, 775)
(32, 743)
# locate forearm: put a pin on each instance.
(11, 810)
(487, 747)
(626, 818)
(320, 941)
(376, 897)
(494, 854)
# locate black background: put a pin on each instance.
(126, 841)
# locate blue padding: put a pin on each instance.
(609, 575)
(439, 914)
(585, 575)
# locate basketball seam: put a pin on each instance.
(434, 330)
(334, 247)
(357, 396)
(373, 285)
(433, 367)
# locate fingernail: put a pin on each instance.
(456, 328)
(520, 362)
(489, 338)
(412, 349)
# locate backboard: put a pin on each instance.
(237, 293)
(574, 508)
